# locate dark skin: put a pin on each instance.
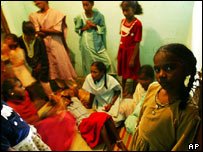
(97, 75)
(45, 31)
(89, 13)
(170, 74)
(128, 12)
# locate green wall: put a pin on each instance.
(163, 22)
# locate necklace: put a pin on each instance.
(158, 105)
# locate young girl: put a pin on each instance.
(36, 55)
(105, 92)
(131, 35)
(18, 99)
(168, 120)
(131, 107)
(51, 25)
(93, 127)
(16, 134)
(17, 60)
(90, 25)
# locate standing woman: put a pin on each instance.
(50, 24)
(131, 35)
(91, 28)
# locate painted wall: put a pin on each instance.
(163, 22)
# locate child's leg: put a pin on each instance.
(111, 127)
(47, 88)
(135, 82)
(60, 83)
(106, 139)
(125, 92)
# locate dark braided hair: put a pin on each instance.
(185, 56)
(135, 5)
(8, 85)
(102, 68)
(12, 37)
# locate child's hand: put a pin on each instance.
(107, 107)
(131, 63)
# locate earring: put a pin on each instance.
(12, 93)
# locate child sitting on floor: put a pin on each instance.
(131, 107)
(56, 116)
(16, 134)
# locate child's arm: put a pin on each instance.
(132, 60)
(116, 94)
(91, 101)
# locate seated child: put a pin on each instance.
(93, 127)
(131, 108)
(16, 134)
(18, 98)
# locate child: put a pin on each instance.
(131, 35)
(168, 120)
(18, 98)
(17, 135)
(17, 60)
(90, 25)
(36, 55)
(51, 25)
(105, 92)
(131, 107)
(93, 127)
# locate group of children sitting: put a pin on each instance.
(161, 115)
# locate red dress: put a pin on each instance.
(25, 108)
(129, 36)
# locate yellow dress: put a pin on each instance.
(17, 59)
(165, 129)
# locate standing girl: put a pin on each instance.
(90, 25)
(131, 35)
(168, 108)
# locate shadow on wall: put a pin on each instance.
(152, 41)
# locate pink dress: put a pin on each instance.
(60, 66)
(129, 36)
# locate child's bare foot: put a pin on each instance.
(121, 145)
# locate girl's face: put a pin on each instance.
(40, 4)
(18, 90)
(96, 74)
(144, 81)
(128, 12)
(169, 71)
(11, 44)
(87, 6)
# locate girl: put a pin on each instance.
(93, 127)
(131, 107)
(51, 25)
(18, 99)
(36, 55)
(17, 60)
(131, 35)
(16, 134)
(168, 107)
(90, 25)
(105, 92)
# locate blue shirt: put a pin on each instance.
(13, 128)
